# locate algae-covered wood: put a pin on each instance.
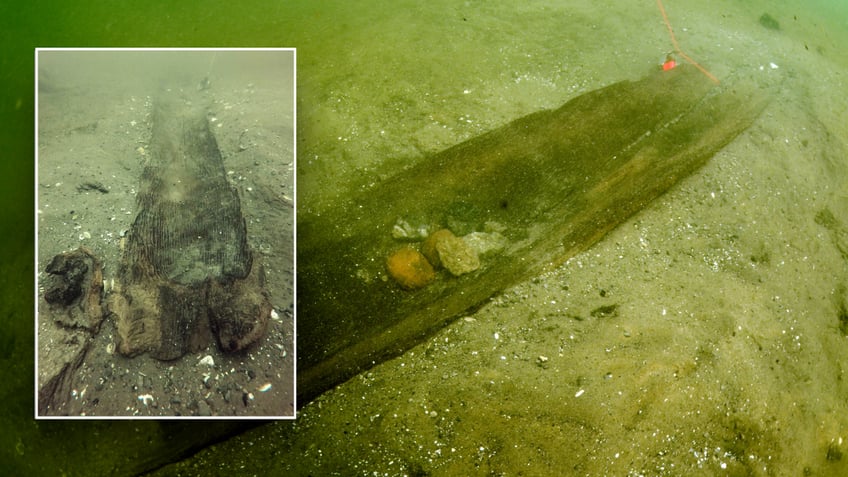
(547, 185)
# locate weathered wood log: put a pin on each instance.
(187, 273)
(551, 184)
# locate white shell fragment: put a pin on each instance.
(145, 399)
(265, 387)
(402, 230)
(274, 315)
(207, 360)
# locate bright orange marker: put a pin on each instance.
(669, 62)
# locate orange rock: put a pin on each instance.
(410, 268)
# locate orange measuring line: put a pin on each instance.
(677, 47)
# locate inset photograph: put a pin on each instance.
(165, 222)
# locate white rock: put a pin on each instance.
(485, 242)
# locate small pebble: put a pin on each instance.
(203, 409)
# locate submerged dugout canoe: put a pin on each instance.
(547, 185)
(187, 275)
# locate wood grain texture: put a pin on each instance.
(187, 275)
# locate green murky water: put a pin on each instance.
(725, 351)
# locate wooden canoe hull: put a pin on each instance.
(187, 275)
(553, 183)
